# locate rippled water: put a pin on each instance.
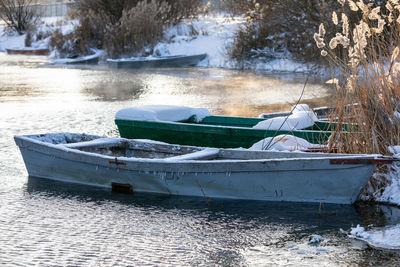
(47, 223)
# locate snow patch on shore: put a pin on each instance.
(389, 180)
(386, 237)
(209, 34)
(11, 41)
(47, 24)
(214, 35)
(391, 194)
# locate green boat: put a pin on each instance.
(215, 131)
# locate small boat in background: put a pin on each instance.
(157, 62)
(154, 167)
(28, 51)
(91, 59)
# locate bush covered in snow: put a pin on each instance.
(279, 29)
(17, 15)
(122, 27)
(139, 29)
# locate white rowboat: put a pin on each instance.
(148, 166)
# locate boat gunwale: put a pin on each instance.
(205, 166)
(28, 51)
(215, 126)
(155, 59)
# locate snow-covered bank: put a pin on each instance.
(384, 186)
(211, 34)
(391, 194)
(46, 25)
(386, 237)
(216, 34)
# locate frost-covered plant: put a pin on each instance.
(276, 29)
(121, 26)
(18, 15)
(138, 30)
(368, 74)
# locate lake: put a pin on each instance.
(48, 223)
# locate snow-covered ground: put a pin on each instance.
(390, 179)
(215, 37)
(386, 237)
(46, 25)
(391, 194)
(211, 34)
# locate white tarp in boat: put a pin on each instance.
(283, 143)
(302, 117)
(161, 113)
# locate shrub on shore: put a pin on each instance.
(278, 29)
(124, 27)
(18, 15)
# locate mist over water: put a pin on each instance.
(48, 223)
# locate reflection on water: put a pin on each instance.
(106, 90)
(222, 91)
(319, 217)
(51, 223)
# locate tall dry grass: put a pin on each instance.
(368, 70)
(122, 27)
(18, 16)
(138, 30)
(278, 29)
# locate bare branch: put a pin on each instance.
(18, 15)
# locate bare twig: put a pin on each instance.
(284, 121)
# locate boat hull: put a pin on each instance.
(208, 135)
(92, 60)
(299, 180)
(30, 52)
(167, 62)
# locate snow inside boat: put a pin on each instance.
(91, 59)
(148, 166)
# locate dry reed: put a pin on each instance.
(368, 71)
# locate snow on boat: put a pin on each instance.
(322, 113)
(148, 166)
(28, 51)
(157, 62)
(188, 126)
(91, 59)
